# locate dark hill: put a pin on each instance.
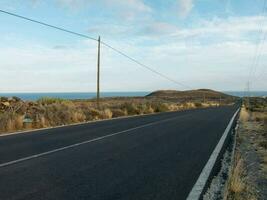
(200, 94)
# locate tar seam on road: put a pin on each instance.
(204, 175)
(85, 142)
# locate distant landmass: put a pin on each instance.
(200, 93)
(90, 95)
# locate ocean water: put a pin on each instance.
(252, 93)
(90, 95)
(73, 95)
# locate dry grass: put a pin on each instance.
(118, 113)
(244, 115)
(250, 166)
(106, 114)
(11, 122)
(264, 165)
(238, 185)
(49, 112)
(237, 180)
(49, 100)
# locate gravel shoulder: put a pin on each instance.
(248, 179)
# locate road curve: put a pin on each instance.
(145, 157)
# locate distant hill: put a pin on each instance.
(191, 94)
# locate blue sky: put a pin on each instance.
(200, 43)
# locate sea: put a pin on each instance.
(91, 95)
(72, 95)
(251, 93)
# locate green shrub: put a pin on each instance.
(3, 99)
(17, 99)
(49, 100)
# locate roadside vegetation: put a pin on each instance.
(248, 179)
(16, 114)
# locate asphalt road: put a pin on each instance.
(147, 157)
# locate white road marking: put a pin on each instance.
(85, 142)
(204, 175)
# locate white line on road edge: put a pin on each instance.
(85, 142)
(204, 175)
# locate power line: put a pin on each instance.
(105, 44)
(262, 37)
(48, 25)
(258, 58)
(261, 76)
(145, 66)
(257, 53)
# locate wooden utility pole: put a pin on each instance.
(248, 97)
(98, 72)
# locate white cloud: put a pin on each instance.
(184, 7)
(208, 31)
(220, 66)
(237, 28)
(42, 68)
(222, 62)
(137, 5)
(75, 4)
(158, 28)
(128, 9)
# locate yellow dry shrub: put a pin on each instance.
(244, 115)
(149, 110)
(189, 105)
(173, 107)
(205, 105)
(18, 121)
(78, 117)
(43, 122)
(92, 114)
(68, 104)
(12, 122)
(214, 104)
(106, 114)
(237, 184)
(118, 112)
(9, 125)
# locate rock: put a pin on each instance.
(14, 99)
(7, 104)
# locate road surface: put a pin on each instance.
(146, 157)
